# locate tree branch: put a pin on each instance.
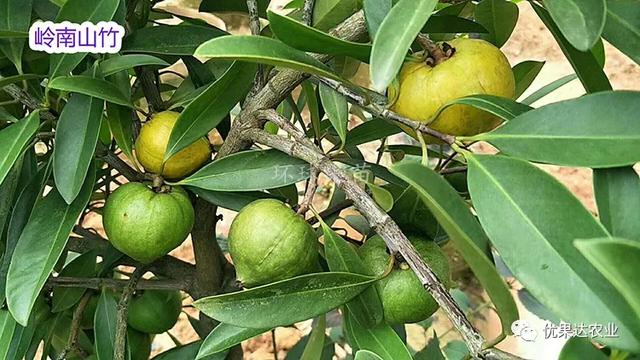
(312, 185)
(119, 348)
(380, 111)
(304, 149)
(254, 25)
(150, 88)
(75, 328)
(115, 284)
(307, 12)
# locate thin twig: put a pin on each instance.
(304, 149)
(307, 12)
(150, 88)
(119, 348)
(72, 341)
(254, 25)
(312, 185)
(453, 170)
(379, 110)
(29, 101)
(115, 284)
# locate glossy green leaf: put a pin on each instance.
(249, 171)
(329, 13)
(548, 89)
(285, 302)
(225, 336)
(592, 137)
(578, 348)
(79, 11)
(314, 108)
(382, 197)
(622, 27)
(374, 13)
(228, 199)
(14, 139)
(341, 256)
(374, 129)
(16, 17)
(169, 40)
(206, 111)
(617, 193)
(105, 326)
(580, 21)
(225, 6)
(83, 266)
(42, 241)
(124, 62)
(188, 351)
(7, 328)
(465, 232)
(584, 63)
(76, 139)
(366, 355)
(315, 345)
(4, 81)
(120, 120)
(91, 86)
(9, 34)
(381, 339)
(524, 73)
(504, 108)
(499, 17)
(431, 351)
(443, 24)
(262, 50)
(394, 37)
(306, 38)
(337, 110)
(606, 255)
(524, 210)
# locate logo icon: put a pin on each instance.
(523, 330)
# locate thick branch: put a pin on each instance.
(307, 12)
(119, 348)
(254, 25)
(115, 284)
(29, 101)
(380, 111)
(150, 88)
(302, 148)
(312, 186)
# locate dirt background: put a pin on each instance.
(530, 41)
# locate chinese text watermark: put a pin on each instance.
(67, 37)
(563, 330)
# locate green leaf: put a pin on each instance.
(91, 86)
(7, 328)
(315, 345)
(617, 193)
(120, 120)
(76, 138)
(499, 17)
(337, 110)
(206, 111)
(14, 139)
(584, 63)
(374, 13)
(577, 348)
(329, 13)
(228, 199)
(79, 11)
(593, 137)
(306, 38)
(622, 27)
(224, 6)
(188, 351)
(443, 24)
(504, 108)
(124, 62)
(249, 171)
(549, 88)
(394, 37)
(381, 340)
(9, 34)
(366, 355)
(42, 241)
(16, 17)
(265, 51)
(105, 326)
(83, 266)
(524, 210)
(606, 255)
(382, 197)
(524, 73)
(4, 81)
(285, 302)
(374, 129)
(431, 351)
(581, 22)
(169, 39)
(465, 232)
(225, 336)
(341, 256)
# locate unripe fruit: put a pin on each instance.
(269, 242)
(146, 225)
(404, 299)
(476, 67)
(152, 143)
(154, 311)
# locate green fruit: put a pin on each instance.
(139, 344)
(404, 299)
(476, 67)
(269, 242)
(154, 311)
(146, 225)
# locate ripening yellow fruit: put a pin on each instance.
(476, 67)
(152, 143)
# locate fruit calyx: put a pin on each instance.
(433, 53)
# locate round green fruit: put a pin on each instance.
(144, 224)
(476, 67)
(269, 242)
(154, 311)
(152, 143)
(404, 299)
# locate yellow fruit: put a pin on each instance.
(152, 143)
(476, 67)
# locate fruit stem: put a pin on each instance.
(157, 182)
(434, 50)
